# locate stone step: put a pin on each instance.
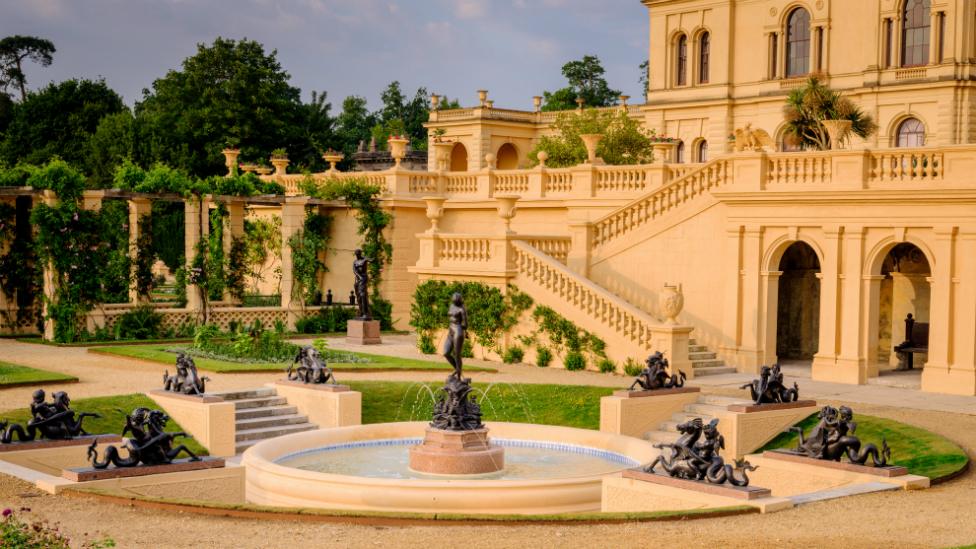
(682, 417)
(273, 432)
(661, 437)
(251, 413)
(718, 400)
(702, 356)
(692, 341)
(247, 394)
(697, 348)
(714, 371)
(270, 421)
(260, 402)
(705, 410)
(707, 363)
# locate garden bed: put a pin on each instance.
(13, 375)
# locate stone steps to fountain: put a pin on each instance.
(247, 425)
(260, 402)
(260, 414)
(252, 413)
(707, 407)
(261, 392)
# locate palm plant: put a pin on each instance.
(806, 109)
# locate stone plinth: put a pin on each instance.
(363, 332)
(752, 408)
(634, 413)
(456, 453)
(46, 443)
(887, 472)
(324, 404)
(642, 492)
(87, 474)
(725, 490)
(747, 427)
(210, 419)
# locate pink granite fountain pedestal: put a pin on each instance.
(456, 453)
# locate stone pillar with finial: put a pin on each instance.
(482, 97)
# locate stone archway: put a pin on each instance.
(459, 158)
(904, 289)
(507, 157)
(798, 304)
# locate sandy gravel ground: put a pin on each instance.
(939, 517)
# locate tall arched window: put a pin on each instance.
(915, 33)
(704, 51)
(911, 133)
(702, 154)
(798, 43)
(679, 153)
(681, 65)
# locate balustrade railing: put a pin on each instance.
(556, 247)
(798, 168)
(622, 178)
(511, 181)
(907, 165)
(458, 248)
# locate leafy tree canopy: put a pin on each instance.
(806, 109)
(58, 120)
(14, 50)
(586, 81)
(624, 140)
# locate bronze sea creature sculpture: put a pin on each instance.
(832, 438)
(655, 375)
(148, 443)
(770, 389)
(311, 367)
(695, 456)
(187, 379)
(53, 420)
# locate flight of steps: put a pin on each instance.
(706, 407)
(262, 414)
(705, 362)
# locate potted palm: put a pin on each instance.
(820, 118)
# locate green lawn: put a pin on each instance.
(12, 375)
(158, 353)
(922, 452)
(112, 419)
(566, 405)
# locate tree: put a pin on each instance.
(110, 145)
(227, 90)
(59, 120)
(586, 81)
(806, 109)
(317, 132)
(13, 51)
(403, 117)
(624, 141)
(354, 125)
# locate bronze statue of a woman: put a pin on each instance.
(360, 268)
(457, 333)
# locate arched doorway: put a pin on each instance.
(507, 157)
(905, 290)
(459, 158)
(798, 306)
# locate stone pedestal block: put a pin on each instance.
(325, 405)
(634, 413)
(88, 474)
(457, 453)
(363, 332)
(210, 420)
(628, 495)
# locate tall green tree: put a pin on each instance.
(59, 120)
(400, 115)
(354, 124)
(14, 50)
(318, 132)
(227, 90)
(624, 139)
(808, 106)
(112, 143)
(586, 80)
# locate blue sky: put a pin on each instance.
(514, 48)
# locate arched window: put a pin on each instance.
(911, 133)
(915, 33)
(704, 51)
(679, 153)
(681, 61)
(459, 158)
(798, 43)
(507, 157)
(701, 155)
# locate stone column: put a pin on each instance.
(824, 362)
(934, 35)
(851, 363)
(770, 283)
(138, 208)
(941, 373)
(580, 247)
(292, 220)
(750, 350)
(871, 288)
(732, 273)
(196, 228)
(234, 229)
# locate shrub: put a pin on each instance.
(574, 361)
(467, 350)
(326, 320)
(607, 366)
(513, 355)
(15, 532)
(632, 368)
(426, 344)
(142, 322)
(543, 356)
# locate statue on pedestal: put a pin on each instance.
(833, 438)
(187, 380)
(770, 389)
(53, 420)
(695, 456)
(149, 443)
(360, 268)
(454, 410)
(312, 367)
(655, 375)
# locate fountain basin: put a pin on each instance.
(270, 481)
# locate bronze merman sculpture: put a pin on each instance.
(54, 421)
(655, 375)
(833, 438)
(312, 367)
(360, 269)
(187, 380)
(770, 389)
(695, 456)
(149, 444)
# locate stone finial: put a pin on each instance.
(490, 104)
(623, 100)
(482, 97)
(542, 156)
(580, 102)
(490, 160)
(537, 103)
(435, 101)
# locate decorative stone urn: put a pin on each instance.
(672, 302)
(442, 154)
(592, 141)
(249, 168)
(333, 158)
(506, 209)
(263, 170)
(435, 210)
(280, 164)
(398, 149)
(482, 97)
(230, 159)
(490, 161)
(838, 130)
(664, 151)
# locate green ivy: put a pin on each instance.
(237, 268)
(567, 336)
(145, 258)
(307, 245)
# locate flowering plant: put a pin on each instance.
(398, 138)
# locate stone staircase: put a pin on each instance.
(706, 362)
(706, 408)
(262, 414)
